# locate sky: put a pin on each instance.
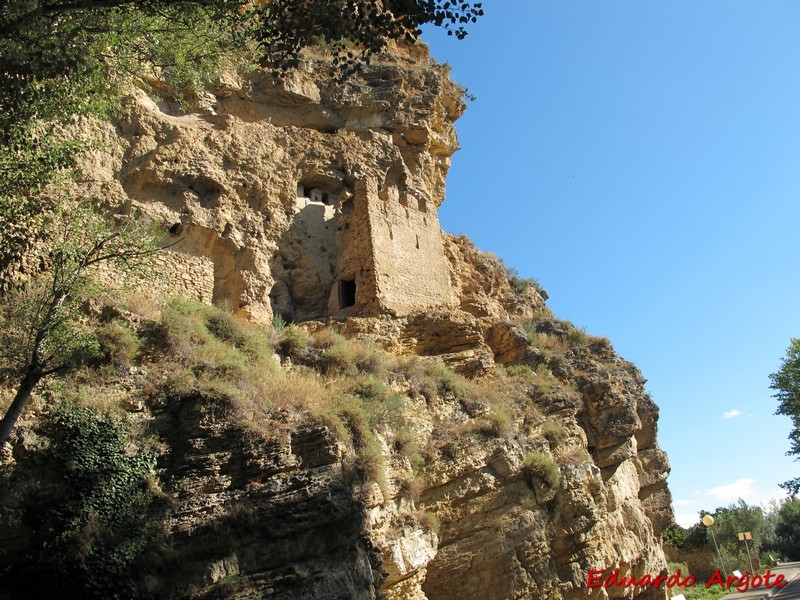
(641, 160)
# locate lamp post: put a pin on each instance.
(708, 521)
(743, 537)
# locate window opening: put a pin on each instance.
(347, 293)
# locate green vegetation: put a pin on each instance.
(787, 383)
(119, 343)
(540, 465)
(700, 592)
(293, 340)
(697, 591)
(774, 533)
(498, 422)
(522, 285)
(554, 431)
(107, 513)
(518, 370)
(356, 31)
(41, 333)
(787, 529)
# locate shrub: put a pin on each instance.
(278, 323)
(367, 387)
(517, 370)
(348, 416)
(554, 431)
(107, 514)
(224, 326)
(540, 465)
(499, 422)
(559, 361)
(600, 344)
(119, 343)
(371, 359)
(338, 354)
(520, 284)
(543, 370)
(429, 520)
(405, 444)
(342, 356)
(409, 486)
(446, 380)
(529, 326)
(578, 336)
(327, 338)
(432, 378)
(293, 340)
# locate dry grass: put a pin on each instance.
(554, 431)
(540, 465)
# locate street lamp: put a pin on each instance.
(708, 521)
(743, 537)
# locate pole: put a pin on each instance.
(713, 537)
(744, 536)
(708, 521)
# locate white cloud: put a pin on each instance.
(741, 488)
(723, 495)
(686, 520)
(729, 414)
(776, 495)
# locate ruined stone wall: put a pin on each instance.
(167, 274)
(355, 261)
(410, 264)
(189, 276)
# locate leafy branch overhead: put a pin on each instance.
(787, 383)
(356, 28)
(51, 38)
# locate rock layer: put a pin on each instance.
(317, 201)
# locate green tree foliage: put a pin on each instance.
(787, 529)
(787, 383)
(356, 28)
(102, 517)
(53, 38)
(729, 521)
(39, 330)
(61, 60)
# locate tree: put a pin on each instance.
(738, 518)
(65, 59)
(51, 37)
(787, 383)
(357, 29)
(787, 529)
(39, 332)
(729, 521)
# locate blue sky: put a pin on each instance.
(641, 159)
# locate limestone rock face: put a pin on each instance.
(287, 503)
(308, 196)
(317, 200)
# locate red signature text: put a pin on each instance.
(599, 578)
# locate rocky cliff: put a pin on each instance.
(362, 468)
